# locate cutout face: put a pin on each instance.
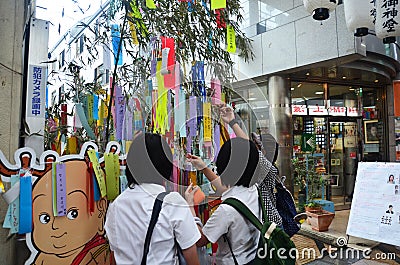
(66, 236)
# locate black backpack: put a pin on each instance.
(272, 238)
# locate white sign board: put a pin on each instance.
(375, 210)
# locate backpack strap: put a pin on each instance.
(244, 211)
(153, 220)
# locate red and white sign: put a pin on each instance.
(337, 111)
(317, 110)
(352, 112)
(299, 110)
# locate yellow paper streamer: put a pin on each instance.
(162, 101)
(150, 4)
(112, 179)
(90, 109)
(102, 113)
(133, 31)
(127, 146)
(207, 121)
(217, 4)
(138, 19)
(98, 172)
(230, 39)
(72, 145)
(193, 177)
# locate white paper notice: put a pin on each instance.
(375, 211)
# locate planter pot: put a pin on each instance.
(320, 220)
(313, 208)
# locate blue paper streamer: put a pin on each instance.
(116, 38)
(95, 107)
(84, 122)
(25, 205)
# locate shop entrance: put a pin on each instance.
(343, 154)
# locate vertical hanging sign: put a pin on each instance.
(230, 39)
(207, 122)
(36, 92)
(98, 172)
(61, 189)
(116, 39)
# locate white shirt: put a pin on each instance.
(128, 218)
(242, 235)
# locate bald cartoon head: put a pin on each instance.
(65, 235)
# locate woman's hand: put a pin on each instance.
(197, 162)
(226, 113)
(189, 194)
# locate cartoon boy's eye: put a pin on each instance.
(44, 218)
(72, 214)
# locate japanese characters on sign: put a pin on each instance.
(337, 111)
(317, 110)
(387, 18)
(36, 91)
(303, 110)
(299, 110)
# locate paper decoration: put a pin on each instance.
(83, 120)
(221, 24)
(207, 122)
(313, 5)
(112, 175)
(61, 189)
(95, 107)
(119, 111)
(123, 183)
(89, 100)
(116, 39)
(98, 172)
(230, 39)
(25, 205)
(150, 4)
(106, 57)
(162, 101)
(169, 79)
(132, 28)
(218, 4)
(387, 24)
(360, 14)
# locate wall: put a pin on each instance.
(11, 28)
(293, 39)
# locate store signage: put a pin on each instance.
(352, 112)
(299, 110)
(317, 110)
(303, 110)
(36, 92)
(307, 142)
(337, 111)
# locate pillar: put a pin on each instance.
(280, 124)
(11, 43)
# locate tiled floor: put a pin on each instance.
(338, 229)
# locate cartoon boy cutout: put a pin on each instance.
(77, 237)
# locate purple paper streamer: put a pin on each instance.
(25, 205)
(61, 189)
(119, 111)
(217, 141)
(129, 120)
(192, 122)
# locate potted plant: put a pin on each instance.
(310, 179)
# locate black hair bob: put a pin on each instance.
(237, 162)
(149, 160)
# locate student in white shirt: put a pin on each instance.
(236, 164)
(149, 162)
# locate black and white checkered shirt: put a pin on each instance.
(268, 174)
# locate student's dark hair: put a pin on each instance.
(149, 160)
(390, 206)
(237, 162)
